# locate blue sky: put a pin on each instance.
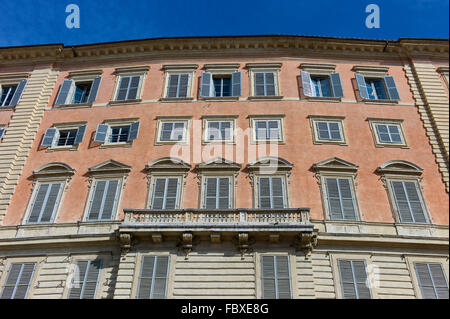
(29, 22)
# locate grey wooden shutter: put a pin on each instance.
(122, 91)
(259, 83)
(277, 192)
(408, 202)
(391, 88)
(183, 85)
(264, 192)
(153, 277)
(172, 88)
(236, 79)
(94, 89)
(171, 193)
(51, 202)
(18, 281)
(97, 200)
(336, 85)
(38, 203)
(275, 277)
(432, 281)
(134, 131)
(353, 279)
(80, 134)
(334, 203)
(133, 88)
(85, 280)
(347, 199)
(159, 189)
(306, 83)
(270, 83)
(362, 87)
(340, 199)
(268, 277)
(64, 92)
(210, 193)
(45, 202)
(335, 131)
(206, 84)
(110, 199)
(18, 93)
(223, 201)
(49, 136)
(102, 133)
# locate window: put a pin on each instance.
(2, 131)
(128, 88)
(219, 131)
(172, 130)
(222, 86)
(115, 133)
(81, 89)
(264, 80)
(179, 81)
(377, 88)
(153, 277)
(44, 203)
(165, 193)
(387, 132)
(103, 203)
(408, 201)
(328, 131)
(275, 277)
(340, 199)
(10, 93)
(221, 81)
(271, 192)
(217, 193)
(18, 280)
(85, 280)
(431, 280)
(67, 134)
(353, 279)
(267, 128)
(321, 85)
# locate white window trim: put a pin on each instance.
(125, 72)
(228, 118)
(65, 127)
(323, 118)
(264, 67)
(254, 118)
(117, 123)
(374, 121)
(179, 69)
(79, 77)
(11, 79)
(165, 119)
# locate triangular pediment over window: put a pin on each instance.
(270, 162)
(219, 163)
(110, 166)
(53, 169)
(399, 167)
(335, 164)
(171, 163)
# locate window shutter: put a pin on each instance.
(210, 193)
(408, 202)
(18, 93)
(183, 85)
(134, 131)
(49, 137)
(109, 203)
(205, 88)
(360, 275)
(347, 199)
(264, 192)
(322, 130)
(415, 203)
(391, 88)
(38, 203)
(277, 192)
(268, 277)
(236, 79)
(123, 88)
(80, 134)
(160, 278)
(270, 84)
(94, 89)
(335, 131)
(224, 193)
(334, 203)
(79, 275)
(102, 132)
(159, 189)
(349, 281)
(97, 200)
(2, 131)
(133, 89)
(172, 89)
(63, 92)
(153, 277)
(361, 81)
(336, 85)
(283, 280)
(171, 193)
(306, 83)
(146, 277)
(51, 202)
(259, 84)
(84, 282)
(18, 281)
(432, 282)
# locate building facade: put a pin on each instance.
(228, 167)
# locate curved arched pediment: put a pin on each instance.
(54, 168)
(272, 162)
(399, 167)
(109, 166)
(335, 164)
(218, 163)
(168, 163)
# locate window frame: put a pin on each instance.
(78, 77)
(350, 178)
(275, 117)
(9, 80)
(117, 123)
(165, 119)
(324, 118)
(65, 127)
(264, 68)
(377, 121)
(172, 69)
(2, 131)
(228, 118)
(181, 176)
(120, 73)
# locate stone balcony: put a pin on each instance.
(240, 225)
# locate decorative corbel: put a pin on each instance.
(157, 238)
(306, 241)
(243, 243)
(186, 242)
(125, 242)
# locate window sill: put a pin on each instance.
(381, 145)
(322, 99)
(218, 142)
(220, 98)
(62, 148)
(171, 143)
(176, 99)
(390, 102)
(122, 102)
(73, 106)
(253, 142)
(275, 97)
(318, 142)
(7, 108)
(114, 145)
